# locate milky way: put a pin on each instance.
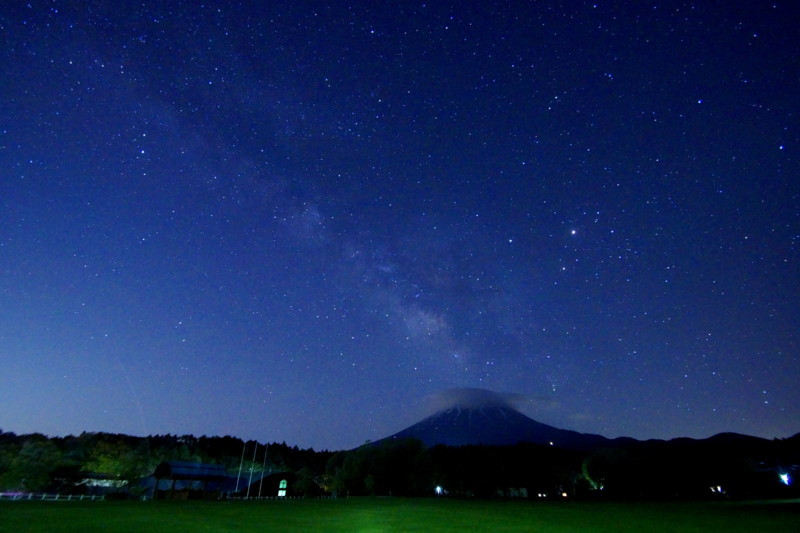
(293, 222)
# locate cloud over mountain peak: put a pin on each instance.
(473, 398)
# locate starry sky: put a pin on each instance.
(302, 221)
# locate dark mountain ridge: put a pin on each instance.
(496, 423)
(493, 425)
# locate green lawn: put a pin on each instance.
(394, 515)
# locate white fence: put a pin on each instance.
(18, 496)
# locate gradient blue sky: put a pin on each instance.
(299, 222)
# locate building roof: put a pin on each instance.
(188, 470)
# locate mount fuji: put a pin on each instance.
(484, 418)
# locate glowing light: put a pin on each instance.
(439, 490)
(785, 479)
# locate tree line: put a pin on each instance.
(724, 466)
(35, 462)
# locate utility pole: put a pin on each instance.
(263, 471)
(241, 461)
(250, 480)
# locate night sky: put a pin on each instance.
(286, 221)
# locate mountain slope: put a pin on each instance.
(493, 425)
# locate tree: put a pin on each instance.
(304, 483)
(402, 468)
(31, 469)
(118, 459)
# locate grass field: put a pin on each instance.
(396, 515)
